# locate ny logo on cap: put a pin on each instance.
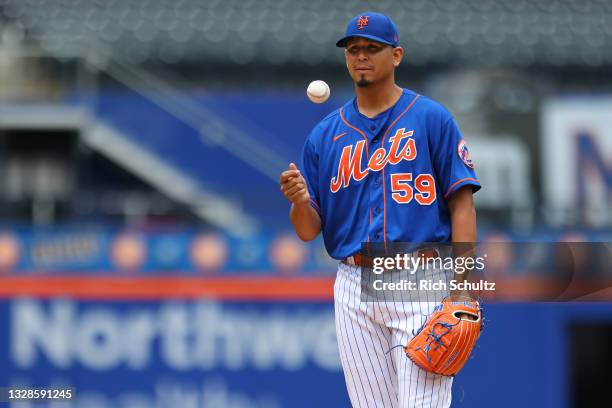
(362, 22)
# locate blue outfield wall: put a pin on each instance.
(176, 353)
(96, 250)
(259, 354)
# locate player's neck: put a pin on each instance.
(377, 98)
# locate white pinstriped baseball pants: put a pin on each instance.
(366, 331)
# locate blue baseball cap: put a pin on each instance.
(371, 25)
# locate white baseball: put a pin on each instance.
(318, 91)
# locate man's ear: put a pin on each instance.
(398, 54)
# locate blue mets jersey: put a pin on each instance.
(386, 179)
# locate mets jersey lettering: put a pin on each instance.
(388, 178)
(350, 162)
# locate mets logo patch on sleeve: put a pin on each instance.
(464, 154)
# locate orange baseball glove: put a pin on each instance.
(444, 343)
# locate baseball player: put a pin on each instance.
(388, 166)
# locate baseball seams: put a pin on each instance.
(366, 331)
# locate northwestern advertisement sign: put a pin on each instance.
(174, 353)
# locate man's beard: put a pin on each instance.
(363, 83)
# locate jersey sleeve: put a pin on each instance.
(310, 171)
(452, 161)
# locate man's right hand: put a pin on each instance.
(304, 218)
(293, 186)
